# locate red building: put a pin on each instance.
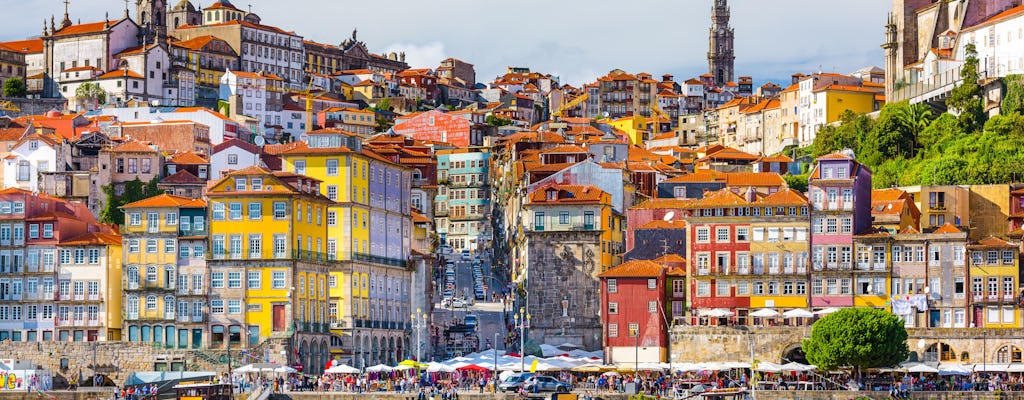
(436, 126)
(421, 78)
(719, 247)
(1017, 213)
(632, 312)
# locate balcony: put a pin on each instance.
(338, 324)
(131, 316)
(184, 318)
(864, 266)
(703, 271)
(92, 322)
(197, 318)
(879, 266)
(582, 227)
(395, 262)
(936, 207)
(197, 291)
(181, 291)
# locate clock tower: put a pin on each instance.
(720, 50)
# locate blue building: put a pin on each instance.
(462, 205)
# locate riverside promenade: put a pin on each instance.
(759, 395)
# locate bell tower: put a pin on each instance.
(151, 15)
(720, 40)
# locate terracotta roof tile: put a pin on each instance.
(659, 224)
(182, 177)
(132, 146)
(92, 239)
(567, 194)
(188, 158)
(30, 46)
(92, 27)
(121, 73)
(635, 269)
(670, 258)
(947, 228)
(784, 197)
(167, 200)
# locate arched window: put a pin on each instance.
(150, 303)
(1008, 354)
(939, 352)
(132, 306)
(133, 277)
(176, 22)
(169, 307)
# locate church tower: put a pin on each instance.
(183, 13)
(151, 15)
(720, 50)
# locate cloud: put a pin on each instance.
(427, 55)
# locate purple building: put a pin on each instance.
(840, 193)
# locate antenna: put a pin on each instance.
(668, 216)
(664, 247)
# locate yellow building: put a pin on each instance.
(369, 230)
(994, 276)
(778, 238)
(159, 306)
(634, 128)
(872, 270)
(207, 56)
(268, 265)
(859, 99)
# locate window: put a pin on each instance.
(1008, 257)
(218, 211)
(332, 192)
(234, 280)
(170, 246)
(217, 307)
(151, 246)
(300, 167)
(702, 235)
(133, 246)
(722, 234)
(332, 167)
(652, 306)
(613, 307)
(255, 210)
(232, 159)
(563, 217)
(235, 211)
(217, 280)
(279, 210)
(234, 306)
(613, 330)
(742, 234)
(613, 285)
(652, 284)
(332, 218)
(277, 280)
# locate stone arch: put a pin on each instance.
(794, 352)
(391, 350)
(939, 351)
(325, 353)
(382, 351)
(364, 361)
(373, 352)
(303, 352)
(1009, 353)
(176, 24)
(314, 358)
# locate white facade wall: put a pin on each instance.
(41, 159)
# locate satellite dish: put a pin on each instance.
(259, 141)
(669, 215)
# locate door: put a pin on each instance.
(279, 317)
(979, 317)
(934, 319)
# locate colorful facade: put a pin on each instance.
(163, 303)
(463, 200)
(368, 245)
(995, 281)
(635, 327)
(268, 268)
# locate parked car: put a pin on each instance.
(546, 384)
(514, 382)
(471, 320)
(460, 303)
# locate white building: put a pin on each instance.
(85, 45)
(232, 154)
(253, 94)
(221, 127)
(33, 154)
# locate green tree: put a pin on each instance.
(847, 135)
(383, 105)
(134, 190)
(914, 118)
(497, 121)
(1013, 100)
(91, 93)
(889, 138)
(796, 182)
(857, 337)
(14, 87)
(966, 99)
(938, 134)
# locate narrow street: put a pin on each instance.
(489, 313)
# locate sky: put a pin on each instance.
(576, 40)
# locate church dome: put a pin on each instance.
(184, 5)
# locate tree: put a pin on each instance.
(966, 99)
(1013, 101)
(846, 135)
(497, 121)
(914, 118)
(92, 93)
(14, 87)
(859, 338)
(889, 138)
(796, 182)
(134, 190)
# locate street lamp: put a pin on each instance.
(636, 352)
(418, 324)
(522, 323)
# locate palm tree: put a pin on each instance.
(914, 117)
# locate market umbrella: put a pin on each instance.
(923, 368)
(611, 373)
(589, 368)
(342, 369)
(284, 369)
(797, 313)
(826, 311)
(954, 369)
(379, 368)
(245, 369)
(765, 366)
(474, 367)
(412, 364)
(715, 313)
(764, 312)
(438, 367)
(798, 367)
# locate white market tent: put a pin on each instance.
(764, 312)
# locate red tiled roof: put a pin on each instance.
(188, 158)
(132, 146)
(567, 194)
(29, 46)
(634, 269)
(92, 27)
(947, 228)
(235, 142)
(662, 203)
(121, 73)
(673, 258)
(785, 197)
(167, 200)
(993, 242)
(93, 238)
(659, 224)
(182, 177)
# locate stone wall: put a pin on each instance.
(563, 266)
(735, 343)
(34, 106)
(119, 359)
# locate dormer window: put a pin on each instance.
(552, 195)
(240, 184)
(33, 145)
